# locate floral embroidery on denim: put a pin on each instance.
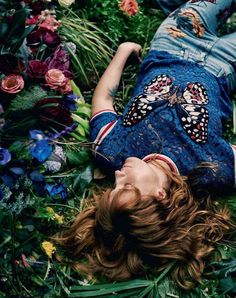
(175, 32)
(189, 19)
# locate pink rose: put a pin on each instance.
(36, 69)
(12, 84)
(49, 23)
(66, 89)
(55, 79)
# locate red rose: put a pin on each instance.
(43, 35)
(12, 84)
(53, 112)
(36, 69)
(33, 20)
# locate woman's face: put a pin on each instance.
(149, 178)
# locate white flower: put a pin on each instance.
(66, 3)
(56, 160)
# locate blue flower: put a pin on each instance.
(36, 176)
(70, 102)
(37, 135)
(8, 180)
(41, 150)
(55, 190)
(5, 156)
(17, 170)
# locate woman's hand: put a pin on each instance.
(127, 53)
(130, 47)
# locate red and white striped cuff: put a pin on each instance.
(101, 112)
(103, 132)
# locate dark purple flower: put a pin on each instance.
(5, 156)
(35, 6)
(64, 132)
(10, 64)
(58, 189)
(42, 35)
(50, 38)
(53, 112)
(34, 38)
(60, 60)
(36, 69)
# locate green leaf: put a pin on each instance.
(104, 289)
(227, 285)
(224, 268)
(83, 179)
(27, 99)
(77, 158)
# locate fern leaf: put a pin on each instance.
(27, 99)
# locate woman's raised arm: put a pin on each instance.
(102, 97)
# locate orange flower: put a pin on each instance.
(130, 7)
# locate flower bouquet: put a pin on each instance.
(44, 149)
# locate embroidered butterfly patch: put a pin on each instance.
(189, 105)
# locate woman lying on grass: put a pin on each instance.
(166, 151)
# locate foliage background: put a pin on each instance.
(25, 269)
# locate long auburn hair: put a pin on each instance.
(120, 236)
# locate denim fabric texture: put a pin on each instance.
(190, 32)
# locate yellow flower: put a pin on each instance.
(58, 218)
(48, 248)
(50, 210)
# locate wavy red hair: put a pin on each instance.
(120, 236)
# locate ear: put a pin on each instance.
(161, 193)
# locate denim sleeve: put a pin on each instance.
(99, 120)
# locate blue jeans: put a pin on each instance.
(190, 32)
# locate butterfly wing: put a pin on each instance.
(194, 120)
(194, 117)
(154, 94)
(195, 93)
